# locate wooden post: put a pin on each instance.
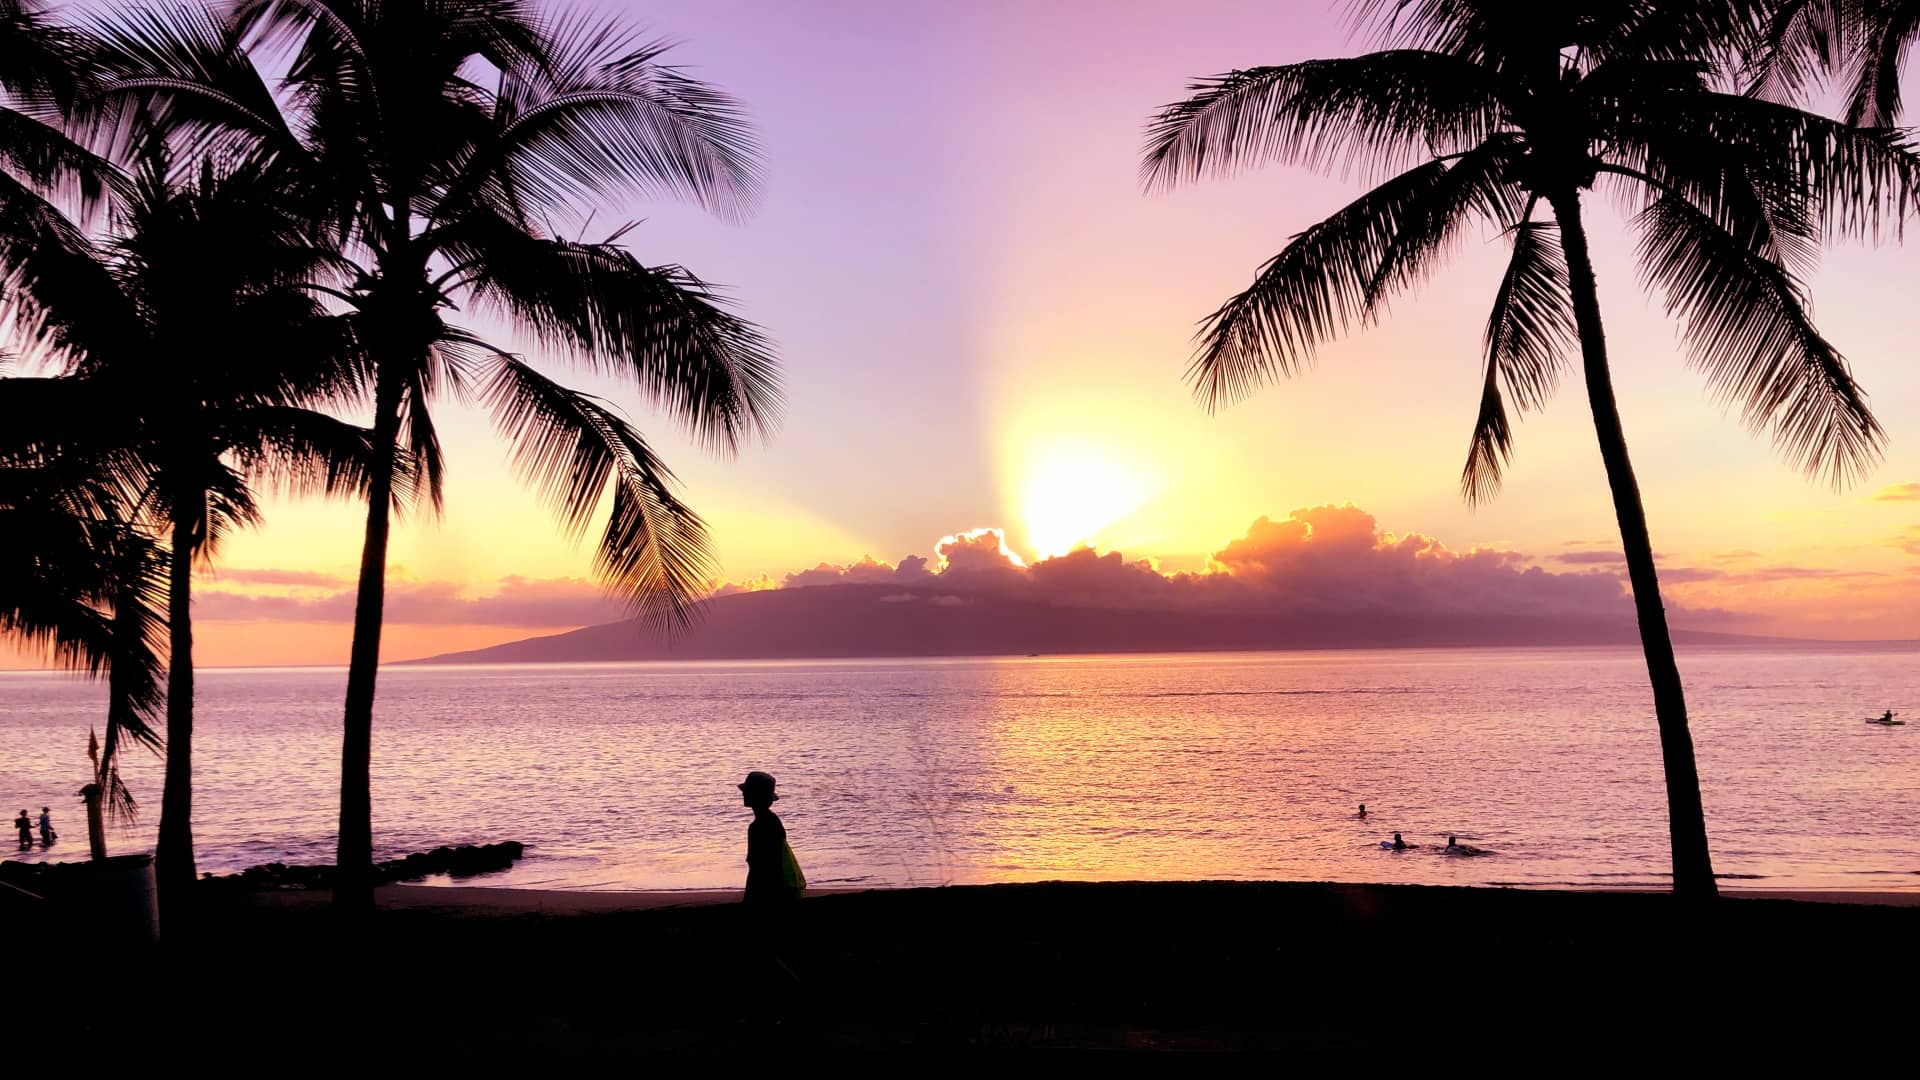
(96, 829)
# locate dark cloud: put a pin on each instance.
(867, 571)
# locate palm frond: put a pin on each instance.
(176, 72)
(1478, 185)
(136, 674)
(45, 157)
(599, 114)
(1859, 181)
(1529, 336)
(421, 468)
(1510, 32)
(660, 326)
(299, 452)
(1747, 327)
(1314, 289)
(654, 551)
(45, 77)
(1889, 31)
(1382, 110)
(57, 300)
(1803, 41)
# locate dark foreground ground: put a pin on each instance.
(1339, 976)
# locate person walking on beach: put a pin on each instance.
(47, 835)
(25, 825)
(773, 874)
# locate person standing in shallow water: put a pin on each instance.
(773, 877)
(25, 825)
(47, 835)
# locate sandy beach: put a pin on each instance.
(476, 976)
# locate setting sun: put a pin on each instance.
(1071, 497)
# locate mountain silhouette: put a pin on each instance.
(849, 621)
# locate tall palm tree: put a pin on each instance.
(1862, 43)
(1499, 115)
(193, 343)
(439, 138)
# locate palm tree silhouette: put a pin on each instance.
(78, 579)
(194, 344)
(1864, 43)
(438, 139)
(1490, 112)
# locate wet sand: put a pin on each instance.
(1338, 975)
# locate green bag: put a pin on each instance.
(790, 873)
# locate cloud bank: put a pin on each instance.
(515, 601)
(1325, 558)
(1332, 559)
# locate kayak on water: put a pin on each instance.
(1886, 723)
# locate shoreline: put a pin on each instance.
(509, 900)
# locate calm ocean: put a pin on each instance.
(976, 770)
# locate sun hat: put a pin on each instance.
(762, 782)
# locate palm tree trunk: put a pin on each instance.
(1686, 819)
(174, 870)
(353, 881)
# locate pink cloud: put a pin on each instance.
(867, 571)
(515, 601)
(1327, 558)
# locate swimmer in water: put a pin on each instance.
(1363, 810)
(1399, 844)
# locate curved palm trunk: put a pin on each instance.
(174, 870)
(1686, 820)
(353, 881)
